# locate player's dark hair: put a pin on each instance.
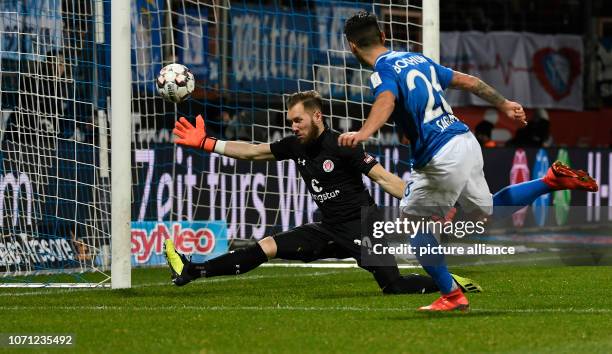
(310, 99)
(362, 29)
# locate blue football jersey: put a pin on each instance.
(421, 112)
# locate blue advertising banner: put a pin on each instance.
(271, 49)
(30, 29)
(147, 19)
(193, 50)
(281, 50)
(331, 41)
(200, 239)
(338, 73)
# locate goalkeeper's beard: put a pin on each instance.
(312, 134)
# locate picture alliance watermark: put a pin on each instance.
(478, 249)
(408, 229)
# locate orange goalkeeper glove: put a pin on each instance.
(192, 136)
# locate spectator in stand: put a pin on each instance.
(483, 134)
(230, 126)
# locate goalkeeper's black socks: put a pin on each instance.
(235, 262)
(412, 284)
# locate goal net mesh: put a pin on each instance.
(247, 56)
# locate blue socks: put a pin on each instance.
(505, 203)
(434, 265)
(515, 197)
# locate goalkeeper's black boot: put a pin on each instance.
(178, 264)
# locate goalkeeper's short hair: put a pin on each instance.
(311, 100)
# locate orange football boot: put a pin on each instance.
(561, 176)
(455, 300)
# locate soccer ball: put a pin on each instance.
(175, 83)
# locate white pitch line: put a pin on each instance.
(334, 265)
(52, 291)
(291, 308)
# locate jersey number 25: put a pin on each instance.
(431, 112)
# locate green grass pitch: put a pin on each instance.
(302, 310)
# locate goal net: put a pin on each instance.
(247, 56)
(53, 185)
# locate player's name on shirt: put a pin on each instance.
(405, 62)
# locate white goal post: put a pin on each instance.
(431, 29)
(121, 132)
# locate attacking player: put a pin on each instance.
(446, 158)
(324, 167)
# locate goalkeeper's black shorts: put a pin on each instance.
(311, 242)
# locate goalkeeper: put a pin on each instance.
(333, 176)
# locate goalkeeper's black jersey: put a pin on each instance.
(332, 174)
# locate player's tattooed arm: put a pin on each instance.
(488, 93)
(478, 87)
(481, 89)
